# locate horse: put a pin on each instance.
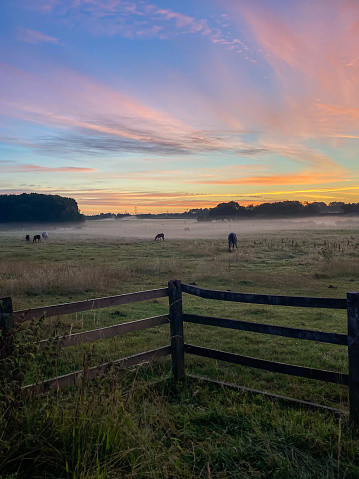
(27, 238)
(44, 235)
(160, 237)
(37, 238)
(232, 241)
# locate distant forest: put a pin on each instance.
(232, 210)
(38, 208)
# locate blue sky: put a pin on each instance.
(167, 106)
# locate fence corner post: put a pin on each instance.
(353, 356)
(176, 324)
(6, 317)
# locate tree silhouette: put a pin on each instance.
(38, 208)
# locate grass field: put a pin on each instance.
(140, 424)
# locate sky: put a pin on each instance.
(165, 106)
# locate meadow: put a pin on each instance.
(140, 423)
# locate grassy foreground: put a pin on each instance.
(140, 424)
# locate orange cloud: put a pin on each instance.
(290, 179)
(97, 201)
(92, 201)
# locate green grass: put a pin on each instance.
(140, 423)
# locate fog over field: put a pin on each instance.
(127, 228)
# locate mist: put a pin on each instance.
(133, 228)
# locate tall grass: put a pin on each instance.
(58, 278)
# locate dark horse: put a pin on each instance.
(27, 237)
(37, 238)
(232, 241)
(160, 237)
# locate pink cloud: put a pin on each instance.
(313, 55)
(64, 169)
(27, 167)
(35, 37)
(118, 17)
(69, 100)
(181, 20)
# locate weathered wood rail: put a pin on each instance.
(95, 371)
(105, 333)
(178, 348)
(89, 304)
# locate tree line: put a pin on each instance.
(38, 208)
(280, 209)
(233, 210)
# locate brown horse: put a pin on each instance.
(160, 237)
(27, 238)
(232, 241)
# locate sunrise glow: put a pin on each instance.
(166, 106)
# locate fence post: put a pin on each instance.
(6, 317)
(6, 327)
(176, 323)
(353, 354)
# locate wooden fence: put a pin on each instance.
(178, 348)
(8, 318)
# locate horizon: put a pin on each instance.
(149, 108)
(187, 211)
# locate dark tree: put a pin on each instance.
(38, 208)
(350, 208)
(311, 209)
(279, 209)
(228, 210)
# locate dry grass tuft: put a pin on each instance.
(156, 267)
(58, 278)
(342, 267)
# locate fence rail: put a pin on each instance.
(310, 335)
(105, 333)
(179, 348)
(88, 305)
(95, 371)
(309, 373)
(299, 301)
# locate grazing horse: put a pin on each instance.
(27, 238)
(44, 235)
(232, 241)
(160, 237)
(37, 238)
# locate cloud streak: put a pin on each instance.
(139, 20)
(95, 118)
(35, 37)
(290, 179)
(31, 168)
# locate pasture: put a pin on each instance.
(140, 423)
